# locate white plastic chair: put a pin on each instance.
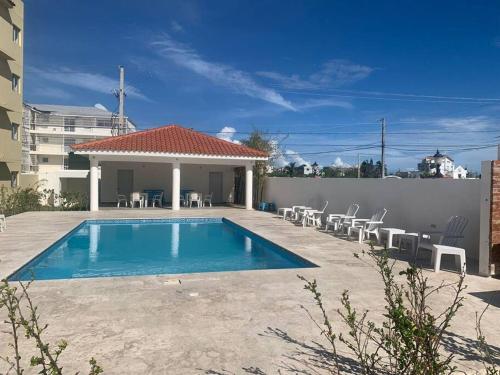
(447, 243)
(313, 216)
(336, 220)
(194, 198)
(136, 197)
(157, 198)
(121, 198)
(207, 199)
(3, 223)
(366, 227)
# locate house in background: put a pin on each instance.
(460, 172)
(441, 165)
(11, 90)
(51, 130)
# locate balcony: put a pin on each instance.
(9, 100)
(9, 49)
(7, 3)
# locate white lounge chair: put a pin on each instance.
(447, 243)
(336, 220)
(136, 197)
(121, 198)
(194, 198)
(3, 223)
(289, 211)
(366, 227)
(313, 216)
(157, 198)
(207, 199)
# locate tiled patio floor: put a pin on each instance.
(215, 323)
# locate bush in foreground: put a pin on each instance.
(410, 338)
(23, 319)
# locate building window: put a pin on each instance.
(13, 179)
(45, 160)
(16, 34)
(15, 132)
(104, 123)
(69, 124)
(45, 139)
(66, 163)
(16, 83)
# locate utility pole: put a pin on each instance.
(382, 157)
(359, 165)
(121, 100)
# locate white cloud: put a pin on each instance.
(318, 103)
(339, 163)
(51, 92)
(89, 81)
(227, 133)
(176, 27)
(333, 73)
(465, 123)
(293, 156)
(220, 74)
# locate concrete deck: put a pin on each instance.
(216, 323)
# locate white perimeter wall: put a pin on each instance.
(413, 204)
(159, 176)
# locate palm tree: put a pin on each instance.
(290, 168)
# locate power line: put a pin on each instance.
(353, 132)
(305, 93)
(404, 95)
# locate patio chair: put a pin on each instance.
(447, 244)
(136, 197)
(3, 223)
(182, 200)
(121, 198)
(207, 199)
(366, 227)
(287, 211)
(337, 220)
(313, 216)
(194, 198)
(298, 213)
(157, 198)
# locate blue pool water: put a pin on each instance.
(152, 247)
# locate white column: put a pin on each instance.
(94, 184)
(248, 186)
(176, 185)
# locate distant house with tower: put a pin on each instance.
(441, 165)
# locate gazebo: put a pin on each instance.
(164, 157)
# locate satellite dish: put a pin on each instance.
(100, 106)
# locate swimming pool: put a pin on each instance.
(101, 248)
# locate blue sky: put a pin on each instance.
(316, 75)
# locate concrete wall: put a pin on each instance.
(159, 176)
(413, 204)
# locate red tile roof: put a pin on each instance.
(170, 139)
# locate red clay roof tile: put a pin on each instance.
(170, 139)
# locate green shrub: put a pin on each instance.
(15, 201)
(19, 200)
(24, 319)
(410, 339)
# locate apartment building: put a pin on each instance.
(11, 90)
(51, 130)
